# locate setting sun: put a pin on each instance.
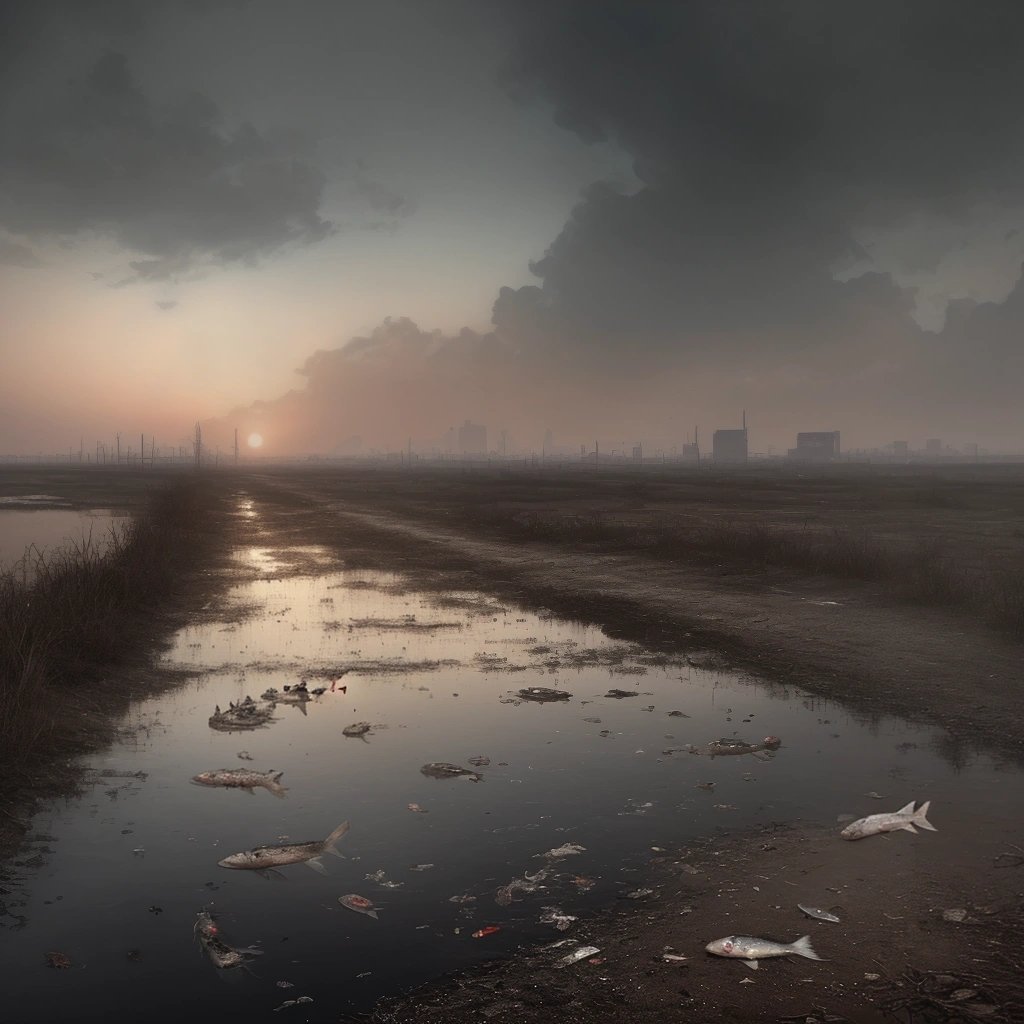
(255, 440)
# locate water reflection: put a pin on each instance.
(471, 808)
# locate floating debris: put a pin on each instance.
(620, 694)
(382, 879)
(554, 916)
(443, 770)
(59, 960)
(416, 809)
(504, 895)
(421, 867)
(245, 714)
(730, 745)
(478, 761)
(489, 929)
(565, 850)
(583, 953)
(356, 729)
(244, 755)
(543, 694)
(638, 894)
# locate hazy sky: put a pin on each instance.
(607, 217)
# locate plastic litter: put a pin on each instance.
(817, 914)
(489, 929)
(444, 770)
(554, 916)
(565, 850)
(357, 729)
(479, 761)
(583, 953)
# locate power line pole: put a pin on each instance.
(236, 446)
(199, 446)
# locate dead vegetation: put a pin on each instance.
(67, 618)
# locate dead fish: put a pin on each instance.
(264, 858)
(620, 694)
(242, 778)
(817, 914)
(905, 818)
(360, 904)
(443, 770)
(220, 953)
(750, 950)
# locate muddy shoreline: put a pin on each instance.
(886, 965)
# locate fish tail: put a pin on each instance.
(331, 841)
(920, 818)
(373, 914)
(802, 947)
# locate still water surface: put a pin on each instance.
(133, 861)
(50, 528)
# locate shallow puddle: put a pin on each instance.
(21, 528)
(130, 864)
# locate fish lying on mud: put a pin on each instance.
(242, 778)
(220, 953)
(750, 950)
(263, 859)
(904, 819)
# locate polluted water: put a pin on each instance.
(529, 812)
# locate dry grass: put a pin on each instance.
(68, 617)
(922, 573)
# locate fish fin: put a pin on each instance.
(920, 817)
(271, 873)
(802, 947)
(317, 865)
(908, 827)
(909, 809)
(752, 964)
(336, 835)
(276, 776)
(373, 914)
(277, 789)
(336, 852)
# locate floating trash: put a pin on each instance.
(817, 914)
(543, 694)
(443, 770)
(583, 953)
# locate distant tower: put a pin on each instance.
(236, 446)
(199, 446)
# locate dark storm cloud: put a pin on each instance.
(768, 137)
(88, 151)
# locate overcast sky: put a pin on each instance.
(616, 219)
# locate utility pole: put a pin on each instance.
(119, 449)
(199, 446)
(597, 452)
(236, 446)
(696, 443)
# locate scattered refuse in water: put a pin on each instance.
(359, 729)
(583, 953)
(543, 694)
(570, 783)
(556, 917)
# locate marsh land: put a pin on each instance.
(879, 611)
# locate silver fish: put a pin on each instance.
(818, 914)
(360, 904)
(243, 778)
(750, 950)
(264, 858)
(905, 818)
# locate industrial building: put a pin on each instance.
(729, 445)
(816, 445)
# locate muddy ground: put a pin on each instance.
(863, 642)
(897, 954)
